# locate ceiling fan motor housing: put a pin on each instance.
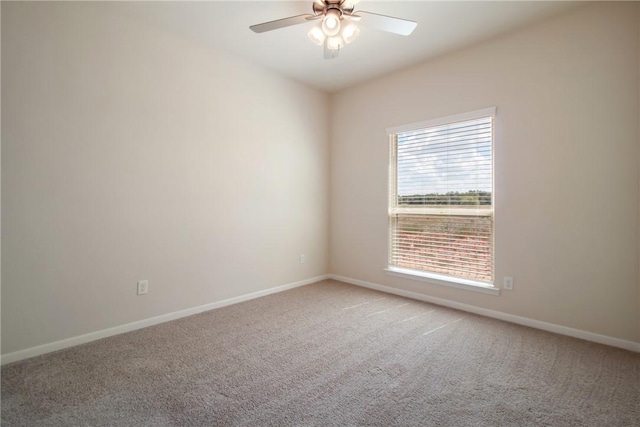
(321, 8)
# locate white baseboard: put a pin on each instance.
(82, 339)
(550, 327)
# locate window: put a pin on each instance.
(441, 199)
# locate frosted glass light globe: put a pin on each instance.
(331, 23)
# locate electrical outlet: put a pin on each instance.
(302, 259)
(143, 287)
(507, 283)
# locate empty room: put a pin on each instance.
(320, 213)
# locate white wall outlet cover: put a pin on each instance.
(508, 283)
(143, 287)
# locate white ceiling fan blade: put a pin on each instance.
(351, 17)
(387, 23)
(349, 3)
(281, 23)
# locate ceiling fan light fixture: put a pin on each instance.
(316, 35)
(337, 24)
(350, 32)
(331, 22)
(335, 43)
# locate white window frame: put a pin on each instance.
(430, 277)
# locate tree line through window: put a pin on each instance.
(469, 198)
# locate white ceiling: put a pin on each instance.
(443, 26)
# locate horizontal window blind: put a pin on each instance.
(441, 199)
(446, 165)
(457, 246)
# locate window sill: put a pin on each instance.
(442, 280)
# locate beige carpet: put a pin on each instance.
(328, 354)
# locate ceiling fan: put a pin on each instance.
(338, 24)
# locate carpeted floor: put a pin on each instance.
(328, 354)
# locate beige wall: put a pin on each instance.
(129, 153)
(566, 166)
